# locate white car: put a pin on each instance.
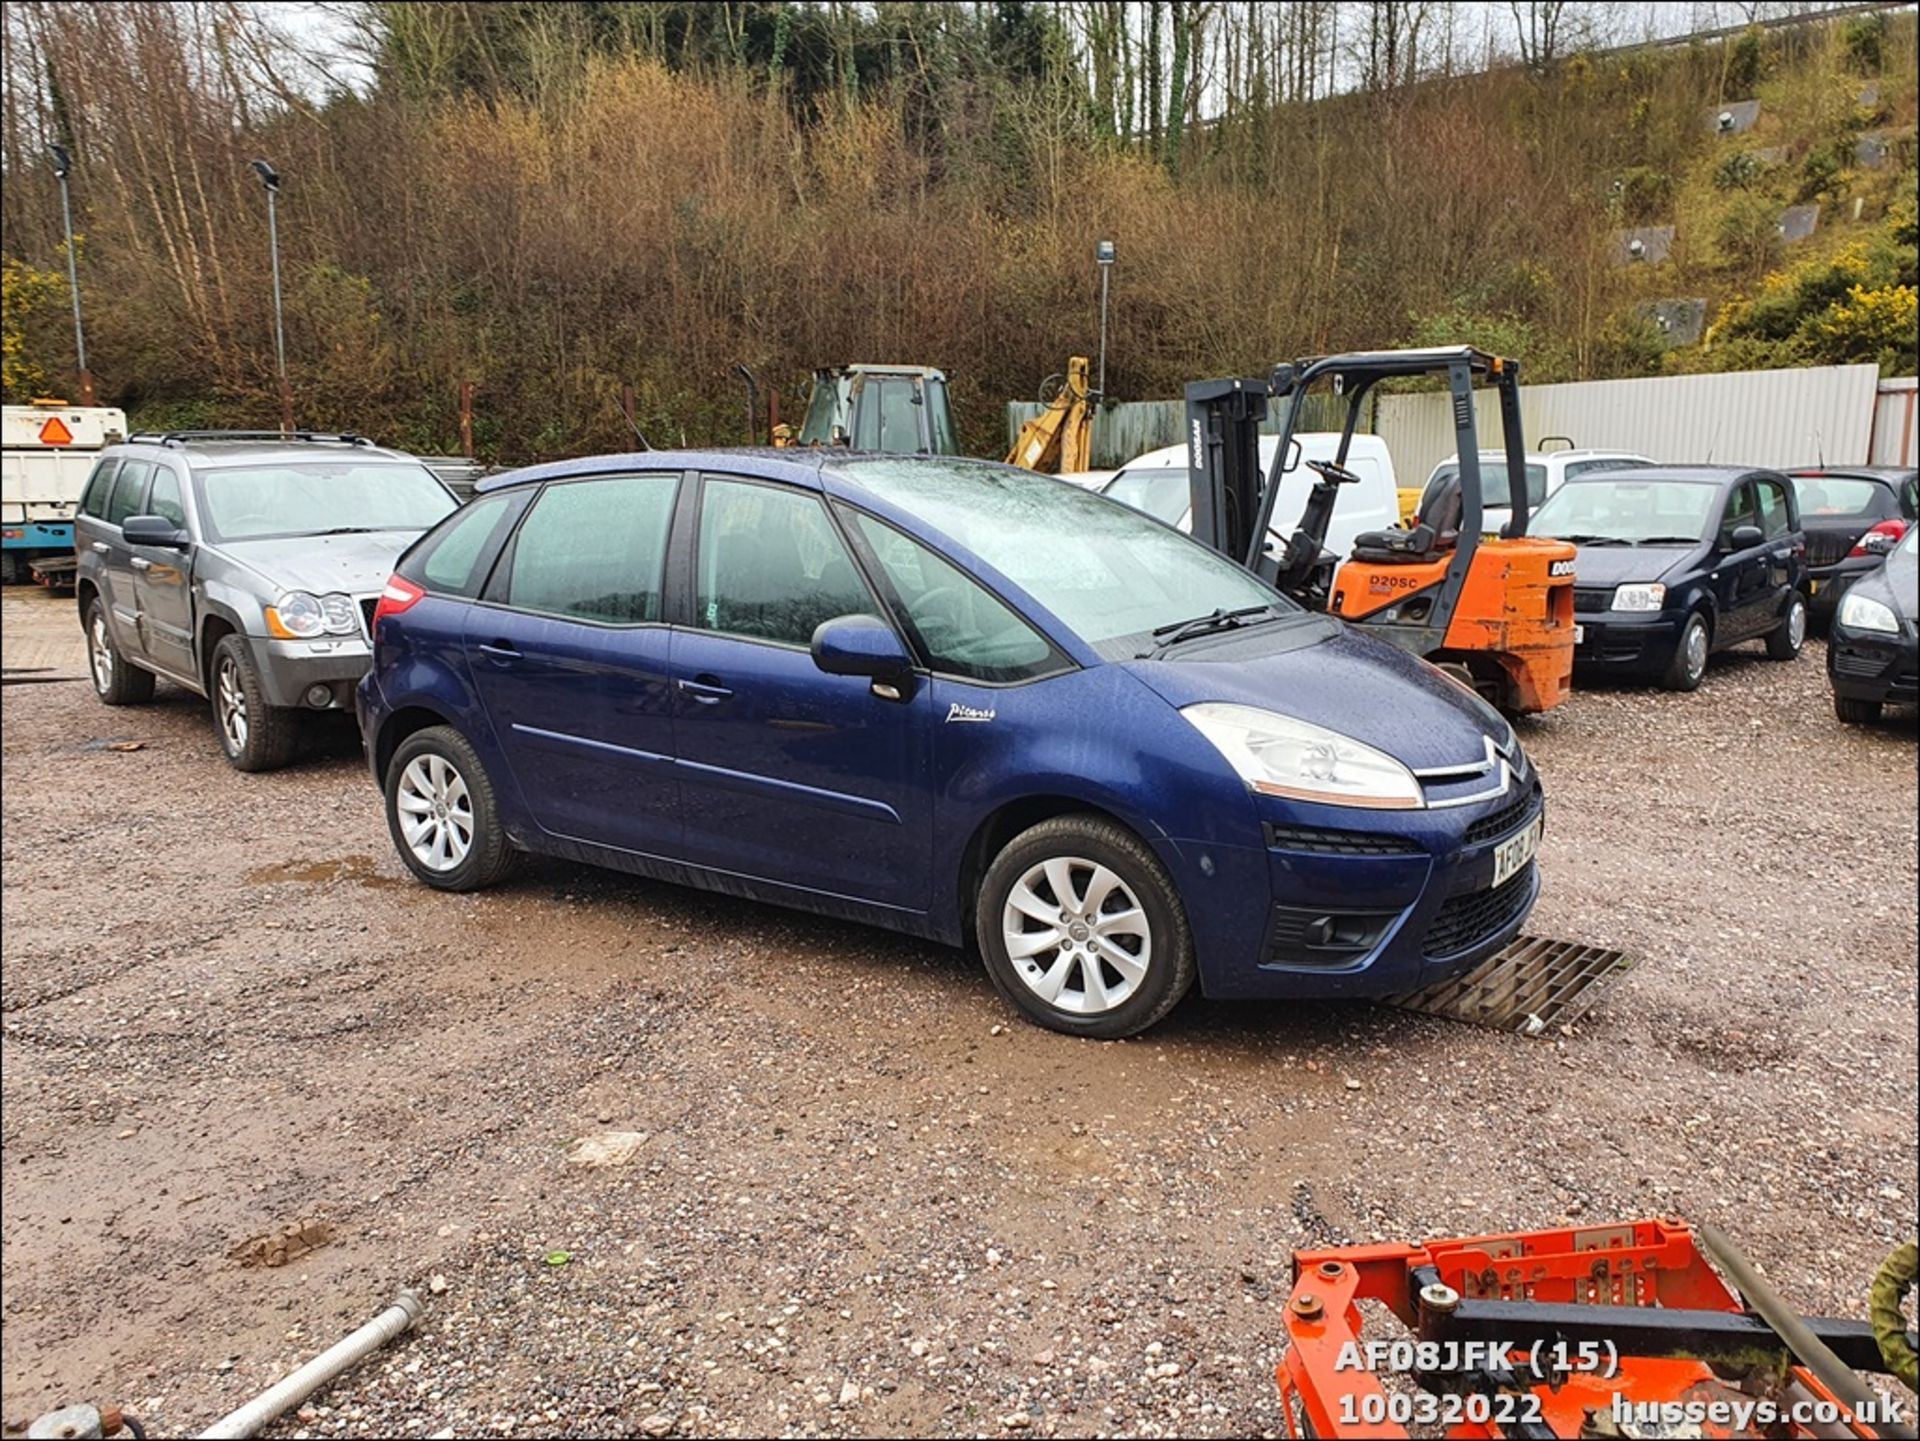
(1157, 483)
(1547, 471)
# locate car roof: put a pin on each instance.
(1695, 474)
(796, 464)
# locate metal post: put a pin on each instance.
(279, 325)
(1103, 256)
(62, 164)
(466, 418)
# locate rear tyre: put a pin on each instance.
(115, 680)
(1785, 639)
(254, 736)
(1082, 930)
(1689, 661)
(444, 814)
(1857, 712)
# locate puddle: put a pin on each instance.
(316, 873)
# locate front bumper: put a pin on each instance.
(1374, 904)
(1626, 640)
(37, 535)
(289, 669)
(1874, 666)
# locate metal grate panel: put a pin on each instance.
(1532, 986)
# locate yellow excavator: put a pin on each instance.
(1060, 438)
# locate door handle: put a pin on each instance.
(705, 689)
(140, 562)
(498, 650)
(100, 547)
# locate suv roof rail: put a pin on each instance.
(182, 437)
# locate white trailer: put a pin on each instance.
(47, 451)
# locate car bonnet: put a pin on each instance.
(352, 564)
(1350, 683)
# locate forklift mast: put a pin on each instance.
(1233, 501)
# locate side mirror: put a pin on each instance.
(154, 530)
(863, 645)
(1745, 537)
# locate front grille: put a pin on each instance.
(1824, 547)
(367, 605)
(1509, 817)
(1588, 600)
(1338, 843)
(1464, 921)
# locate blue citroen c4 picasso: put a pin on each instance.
(952, 698)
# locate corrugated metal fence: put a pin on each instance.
(1751, 417)
(1839, 414)
(1131, 428)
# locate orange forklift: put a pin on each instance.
(1497, 612)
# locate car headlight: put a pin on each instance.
(1277, 755)
(1863, 612)
(1640, 597)
(298, 615)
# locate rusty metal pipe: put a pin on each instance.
(290, 1391)
(1807, 1348)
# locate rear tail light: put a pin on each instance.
(397, 596)
(1881, 539)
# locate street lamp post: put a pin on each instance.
(63, 167)
(270, 178)
(1103, 256)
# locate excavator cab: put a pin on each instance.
(1497, 612)
(892, 409)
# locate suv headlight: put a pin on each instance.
(1863, 612)
(298, 615)
(1277, 755)
(1640, 597)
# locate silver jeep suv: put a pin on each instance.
(245, 566)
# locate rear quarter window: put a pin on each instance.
(453, 559)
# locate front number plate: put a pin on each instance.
(1579, 634)
(1511, 857)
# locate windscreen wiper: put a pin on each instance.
(1171, 635)
(1669, 540)
(352, 530)
(1593, 539)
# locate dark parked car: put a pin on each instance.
(1873, 656)
(953, 699)
(1852, 517)
(1676, 562)
(245, 568)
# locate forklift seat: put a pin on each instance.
(1435, 531)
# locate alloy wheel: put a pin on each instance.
(436, 812)
(1077, 935)
(231, 699)
(100, 653)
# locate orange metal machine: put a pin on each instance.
(1498, 610)
(1598, 1331)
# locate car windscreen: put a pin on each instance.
(1164, 492)
(314, 497)
(1839, 496)
(1110, 574)
(1633, 512)
(1494, 490)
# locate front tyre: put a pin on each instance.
(254, 736)
(443, 813)
(1082, 930)
(1689, 661)
(115, 681)
(1856, 712)
(1785, 639)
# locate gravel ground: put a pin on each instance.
(869, 1200)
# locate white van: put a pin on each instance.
(1157, 483)
(1547, 471)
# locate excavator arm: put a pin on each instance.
(1060, 438)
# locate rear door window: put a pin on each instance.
(770, 565)
(129, 491)
(1776, 514)
(594, 550)
(99, 486)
